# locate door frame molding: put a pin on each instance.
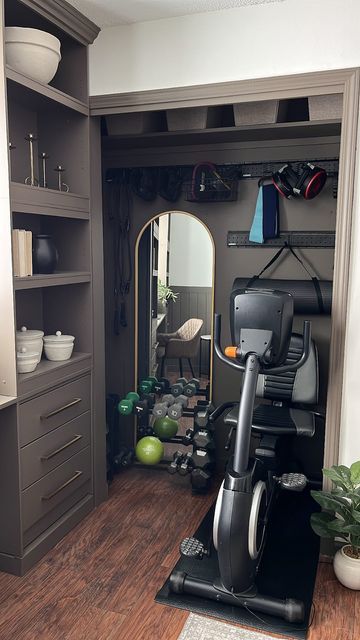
(344, 81)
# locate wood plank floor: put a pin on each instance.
(99, 582)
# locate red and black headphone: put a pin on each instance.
(308, 183)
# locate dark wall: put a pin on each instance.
(318, 214)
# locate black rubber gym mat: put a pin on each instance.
(288, 568)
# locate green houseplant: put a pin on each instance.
(340, 520)
(165, 294)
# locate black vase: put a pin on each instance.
(45, 255)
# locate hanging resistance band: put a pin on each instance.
(119, 204)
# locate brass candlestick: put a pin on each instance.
(43, 157)
(62, 186)
(32, 180)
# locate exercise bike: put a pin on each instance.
(261, 323)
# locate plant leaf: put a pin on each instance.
(355, 473)
(340, 476)
(320, 522)
(338, 525)
(356, 515)
(332, 503)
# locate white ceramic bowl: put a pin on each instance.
(26, 361)
(33, 52)
(58, 347)
(32, 339)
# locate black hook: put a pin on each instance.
(263, 179)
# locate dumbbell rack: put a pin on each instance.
(200, 462)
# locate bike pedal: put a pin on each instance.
(193, 548)
(293, 481)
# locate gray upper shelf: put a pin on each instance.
(33, 93)
(48, 202)
(244, 133)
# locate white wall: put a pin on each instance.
(191, 252)
(249, 42)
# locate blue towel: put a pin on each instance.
(265, 223)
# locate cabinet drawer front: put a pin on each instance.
(49, 451)
(43, 497)
(47, 412)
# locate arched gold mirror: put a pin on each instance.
(174, 299)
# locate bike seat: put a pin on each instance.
(277, 421)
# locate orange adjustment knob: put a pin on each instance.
(230, 352)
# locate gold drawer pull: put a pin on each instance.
(60, 449)
(48, 496)
(45, 416)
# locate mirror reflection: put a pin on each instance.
(175, 281)
(175, 306)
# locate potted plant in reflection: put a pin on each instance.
(340, 520)
(165, 294)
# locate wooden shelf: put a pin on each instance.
(245, 133)
(51, 279)
(48, 202)
(38, 95)
(49, 373)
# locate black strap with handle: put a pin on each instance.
(314, 279)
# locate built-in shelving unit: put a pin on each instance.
(48, 202)
(51, 280)
(56, 394)
(244, 133)
(38, 95)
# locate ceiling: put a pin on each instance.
(109, 13)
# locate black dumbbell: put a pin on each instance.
(176, 410)
(176, 461)
(203, 439)
(201, 415)
(191, 388)
(186, 464)
(124, 458)
(202, 459)
(145, 430)
(160, 409)
(188, 437)
(141, 408)
(162, 386)
(200, 480)
(177, 388)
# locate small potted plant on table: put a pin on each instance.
(340, 520)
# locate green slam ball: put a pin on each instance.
(149, 450)
(165, 427)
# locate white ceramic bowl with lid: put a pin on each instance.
(26, 361)
(33, 52)
(32, 339)
(58, 347)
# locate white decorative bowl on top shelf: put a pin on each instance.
(33, 52)
(58, 347)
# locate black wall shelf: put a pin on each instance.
(309, 239)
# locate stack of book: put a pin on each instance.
(22, 252)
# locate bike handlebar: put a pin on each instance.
(263, 369)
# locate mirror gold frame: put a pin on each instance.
(136, 272)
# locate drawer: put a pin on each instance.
(42, 456)
(47, 412)
(49, 498)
